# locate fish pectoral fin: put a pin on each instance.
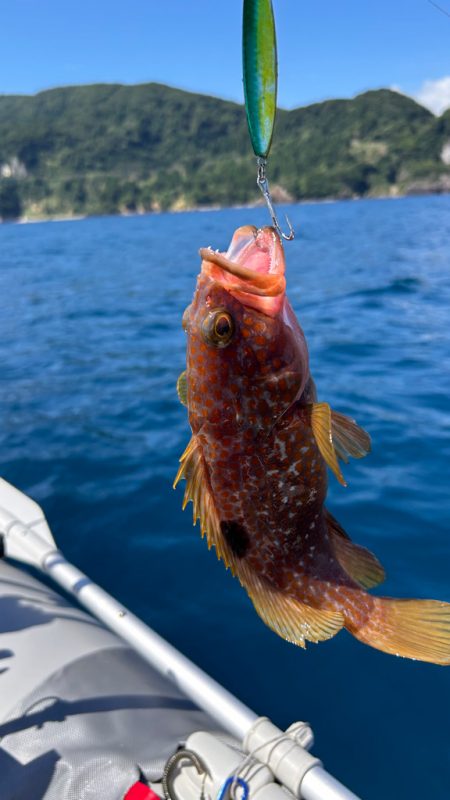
(349, 438)
(182, 388)
(323, 433)
(358, 562)
(198, 490)
(289, 618)
(337, 436)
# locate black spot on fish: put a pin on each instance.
(236, 537)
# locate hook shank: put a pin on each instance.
(263, 184)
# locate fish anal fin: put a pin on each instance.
(198, 491)
(321, 425)
(182, 388)
(288, 617)
(358, 562)
(348, 437)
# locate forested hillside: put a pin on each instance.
(109, 148)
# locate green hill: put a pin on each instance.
(109, 148)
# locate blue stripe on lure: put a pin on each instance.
(260, 71)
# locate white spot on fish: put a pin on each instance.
(282, 445)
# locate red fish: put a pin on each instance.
(256, 465)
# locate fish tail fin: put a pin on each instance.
(418, 629)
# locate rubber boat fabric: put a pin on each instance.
(82, 716)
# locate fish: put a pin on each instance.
(256, 466)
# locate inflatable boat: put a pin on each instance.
(94, 705)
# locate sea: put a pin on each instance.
(91, 346)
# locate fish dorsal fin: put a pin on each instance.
(198, 490)
(292, 620)
(349, 438)
(321, 425)
(358, 562)
(182, 388)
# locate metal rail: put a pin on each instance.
(27, 538)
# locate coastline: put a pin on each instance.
(393, 195)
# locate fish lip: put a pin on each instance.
(250, 281)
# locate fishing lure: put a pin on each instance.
(260, 73)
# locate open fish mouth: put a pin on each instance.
(253, 264)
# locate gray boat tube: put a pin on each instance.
(27, 538)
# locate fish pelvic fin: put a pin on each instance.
(337, 436)
(358, 562)
(294, 621)
(418, 629)
(198, 491)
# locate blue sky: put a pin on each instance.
(327, 48)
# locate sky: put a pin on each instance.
(326, 48)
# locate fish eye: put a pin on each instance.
(218, 327)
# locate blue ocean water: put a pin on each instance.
(90, 425)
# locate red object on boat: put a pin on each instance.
(139, 791)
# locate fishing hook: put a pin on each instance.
(263, 184)
(173, 761)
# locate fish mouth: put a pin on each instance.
(253, 264)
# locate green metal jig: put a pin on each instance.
(259, 54)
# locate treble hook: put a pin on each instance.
(263, 184)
